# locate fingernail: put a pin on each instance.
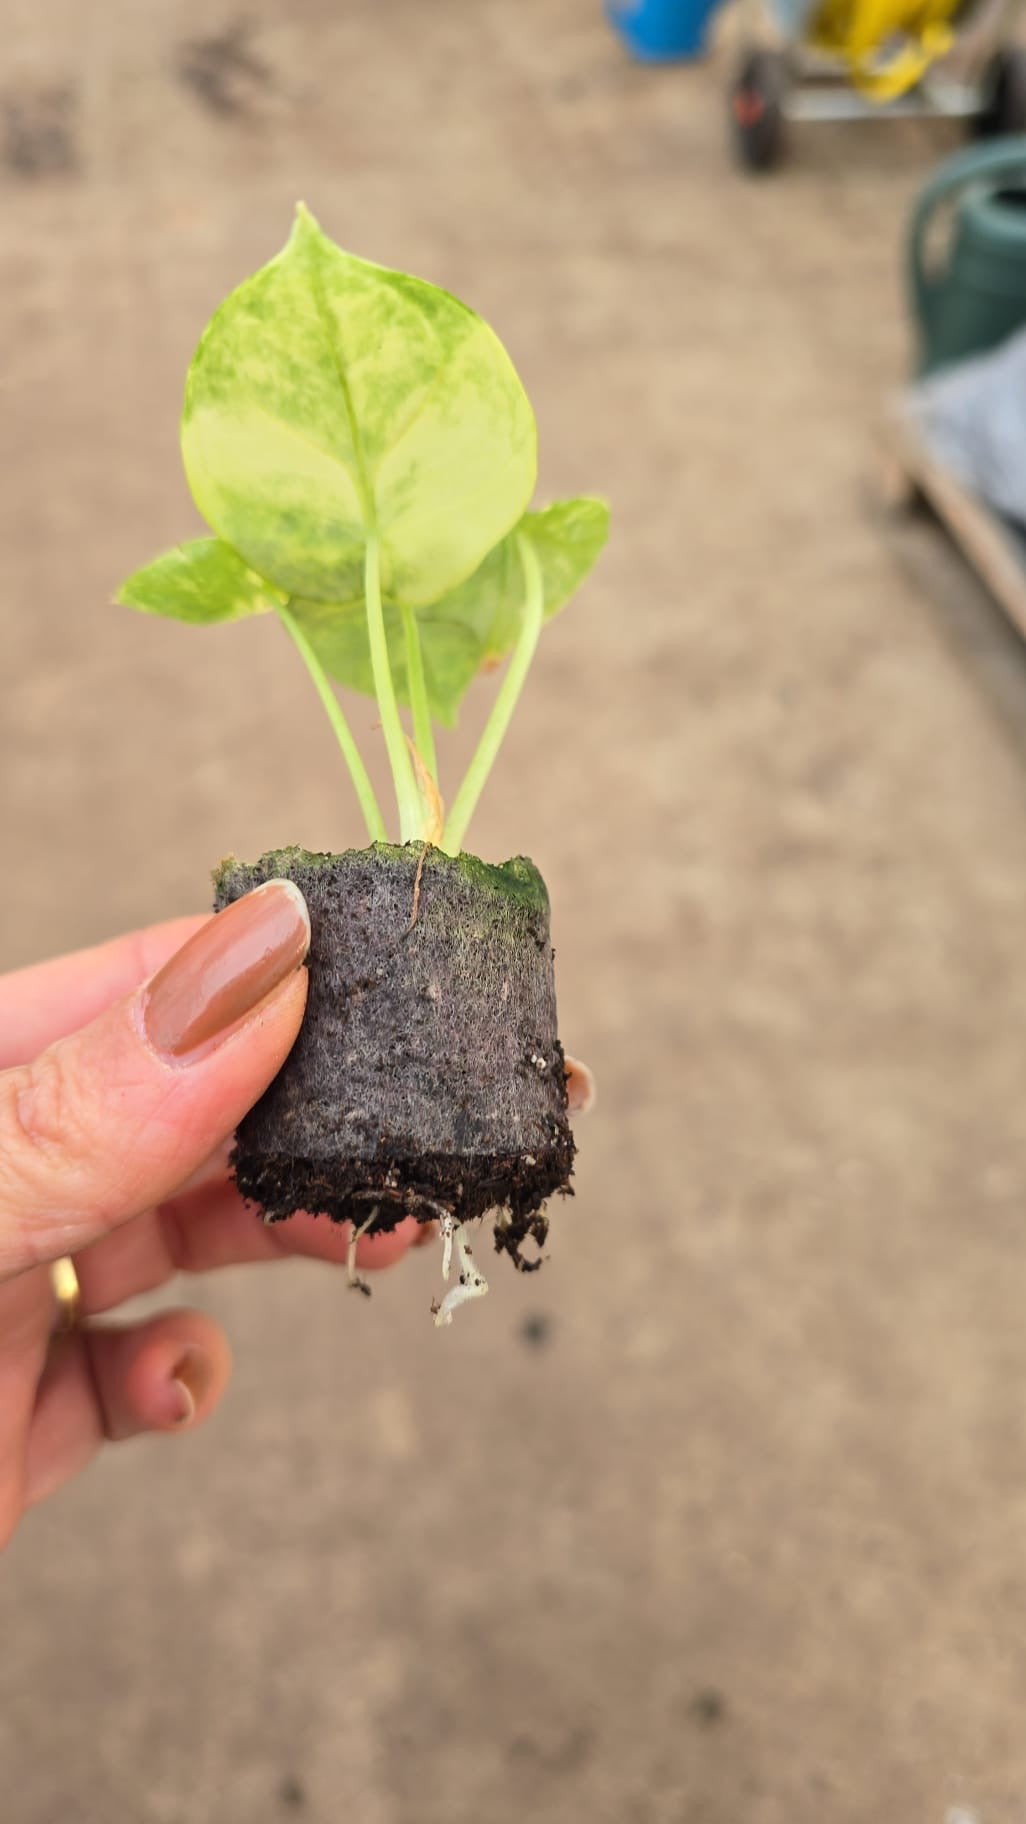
(190, 1379)
(227, 969)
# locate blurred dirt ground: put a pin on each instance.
(723, 1516)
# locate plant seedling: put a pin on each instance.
(364, 453)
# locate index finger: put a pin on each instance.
(47, 1001)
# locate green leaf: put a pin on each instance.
(338, 633)
(199, 581)
(567, 538)
(473, 625)
(330, 400)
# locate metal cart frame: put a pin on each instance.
(781, 80)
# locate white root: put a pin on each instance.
(355, 1283)
(447, 1229)
(471, 1284)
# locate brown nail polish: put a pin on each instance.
(190, 1379)
(227, 969)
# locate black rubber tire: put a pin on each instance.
(1004, 95)
(757, 110)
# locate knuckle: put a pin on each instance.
(45, 1176)
(35, 1110)
(42, 1130)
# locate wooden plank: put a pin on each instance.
(986, 542)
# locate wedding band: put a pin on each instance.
(66, 1291)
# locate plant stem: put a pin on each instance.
(495, 728)
(423, 734)
(406, 792)
(350, 752)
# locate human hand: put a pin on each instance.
(122, 1072)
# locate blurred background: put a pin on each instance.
(722, 1516)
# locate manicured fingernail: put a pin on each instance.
(227, 969)
(190, 1378)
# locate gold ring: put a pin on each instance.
(67, 1292)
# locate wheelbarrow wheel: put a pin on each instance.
(1003, 108)
(757, 110)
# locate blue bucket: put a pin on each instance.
(659, 30)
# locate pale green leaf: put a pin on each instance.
(473, 625)
(331, 399)
(567, 538)
(451, 651)
(202, 580)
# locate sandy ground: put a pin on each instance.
(723, 1516)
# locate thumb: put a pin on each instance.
(112, 1120)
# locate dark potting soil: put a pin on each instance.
(428, 1077)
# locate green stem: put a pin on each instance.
(423, 734)
(495, 728)
(406, 792)
(350, 752)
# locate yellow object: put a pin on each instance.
(887, 44)
(64, 1281)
